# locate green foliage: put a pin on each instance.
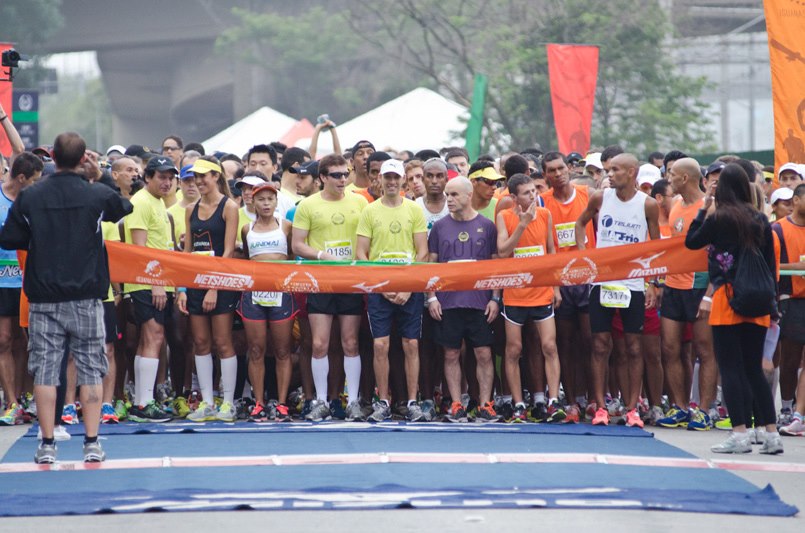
(317, 65)
(359, 53)
(27, 24)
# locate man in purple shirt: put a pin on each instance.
(465, 235)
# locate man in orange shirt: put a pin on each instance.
(684, 301)
(525, 231)
(566, 202)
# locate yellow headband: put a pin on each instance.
(202, 166)
(488, 173)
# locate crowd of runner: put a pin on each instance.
(635, 352)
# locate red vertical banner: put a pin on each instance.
(6, 101)
(784, 23)
(573, 73)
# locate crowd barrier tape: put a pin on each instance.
(137, 264)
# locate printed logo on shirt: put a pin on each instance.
(679, 224)
(337, 219)
(395, 227)
(463, 236)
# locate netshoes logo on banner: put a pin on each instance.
(137, 264)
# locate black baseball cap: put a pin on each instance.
(161, 164)
(311, 168)
(574, 157)
(718, 166)
(362, 144)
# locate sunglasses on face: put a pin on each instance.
(491, 183)
(338, 175)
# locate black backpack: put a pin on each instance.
(753, 290)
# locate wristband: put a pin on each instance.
(432, 299)
(707, 299)
(318, 255)
(181, 289)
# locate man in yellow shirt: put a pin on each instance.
(393, 230)
(324, 229)
(148, 226)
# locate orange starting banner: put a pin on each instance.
(137, 264)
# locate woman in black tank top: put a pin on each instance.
(212, 224)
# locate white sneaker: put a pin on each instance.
(735, 443)
(59, 433)
(795, 429)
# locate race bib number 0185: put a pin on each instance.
(342, 250)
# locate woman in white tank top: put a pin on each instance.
(268, 239)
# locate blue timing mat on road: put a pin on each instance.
(186, 467)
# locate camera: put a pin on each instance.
(12, 58)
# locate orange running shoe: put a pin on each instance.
(601, 417)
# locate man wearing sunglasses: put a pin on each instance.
(484, 180)
(324, 228)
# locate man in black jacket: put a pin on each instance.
(66, 277)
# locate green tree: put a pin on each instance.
(27, 24)
(316, 64)
(641, 101)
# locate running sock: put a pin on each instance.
(50, 442)
(539, 397)
(204, 371)
(788, 404)
(138, 381)
(553, 400)
(91, 440)
(411, 402)
(320, 367)
(352, 369)
(148, 375)
(229, 376)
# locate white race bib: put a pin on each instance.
(395, 257)
(615, 296)
(342, 250)
(267, 299)
(529, 251)
(566, 234)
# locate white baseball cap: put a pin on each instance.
(394, 166)
(790, 166)
(593, 160)
(253, 181)
(648, 173)
(783, 193)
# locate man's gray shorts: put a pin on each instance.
(77, 326)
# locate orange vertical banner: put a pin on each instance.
(785, 21)
(6, 90)
(573, 73)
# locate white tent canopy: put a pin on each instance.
(416, 120)
(261, 127)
